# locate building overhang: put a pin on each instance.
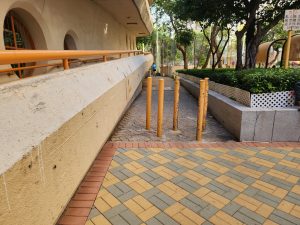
(133, 14)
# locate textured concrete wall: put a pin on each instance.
(251, 124)
(52, 127)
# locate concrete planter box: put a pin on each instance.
(251, 124)
(268, 100)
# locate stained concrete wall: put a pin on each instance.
(251, 124)
(52, 128)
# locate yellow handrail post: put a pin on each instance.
(200, 110)
(104, 58)
(149, 103)
(205, 102)
(66, 64)
(287, 50)
(176, 104)
(160, 111)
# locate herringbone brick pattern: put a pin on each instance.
(200, 185)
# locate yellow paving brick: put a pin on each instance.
(289, 164)
(201, 192)
(165, 172)
(216, 167)
(232, 158)
(223, 218)
(114, 164)
(100, 220)
(204, 155)
(219, 149)
(111, 200)
(174, 209)
(269, 188)
(296, 189)
(155, 149)
(134, 207)
(273, 154)
(245, 203)
(265, 210)
(89, 222)
(142, 202)
(294, 154)
(232, 183)
(135, 167)
(102, 192)
(197, 177)
(101, 205)
(296, 211)
(158, 158)
(173, 190)
(178, 152)
(148, 213)
(133, 154)
(270, 222)
(187, 163)
(110, 180)
(132, 179)
(283, 176)
(249, 172)
(183, 220)
(286, 206)
(246, 151)
(216, 200)
(261, 162)
(193, 216)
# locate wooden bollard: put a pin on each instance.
(160, 111)
(149, 103)
(176, 104)
(66, 64)
(200, 110)
(205, 102)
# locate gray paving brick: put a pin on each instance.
(154, 221)
(245, 219)
(151, 192)
(165, 219)
(251, 191)
(293, 198)
(220, 185)
(238, 154)
(158, 203)
(249, 180)
(191, 205)
(187, 187)
(118, 220)
(115, 211)
(123, 187)
(120, 175)
(232, 194)
(158, 181)
(207, 172)
(197, 201)
(176, 167)
(208, 211)
(195, 159)
(93, 213)
(127, 172)
(286, 216)
(207, 223)
(115, 191)
(215, 189)
(231, 208)
(128, 195)
(252, 215)
(168, 200)
(279, 220)
(130, 218)
(224, 162)
(277, 182)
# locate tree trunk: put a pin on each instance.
(207, 59)
(182, 49)
(239, 50)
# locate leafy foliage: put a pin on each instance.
(256, 81)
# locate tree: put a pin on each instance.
(209, 14)
(183, 35)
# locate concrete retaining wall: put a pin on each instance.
(52, 128)
(246, 124)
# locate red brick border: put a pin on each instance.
(78, 209)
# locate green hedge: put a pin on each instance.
(256, 81)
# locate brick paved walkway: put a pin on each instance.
(132, 126)
(190, 183)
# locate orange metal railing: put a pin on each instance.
(67, 56)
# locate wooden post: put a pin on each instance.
(104, 58)
(176, 104)
(200, 110)
(149, 103)
(120, 56)
(160, 111)
(66, 64)
(287, 50)
(205, 102)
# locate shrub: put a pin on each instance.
(256, 81)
